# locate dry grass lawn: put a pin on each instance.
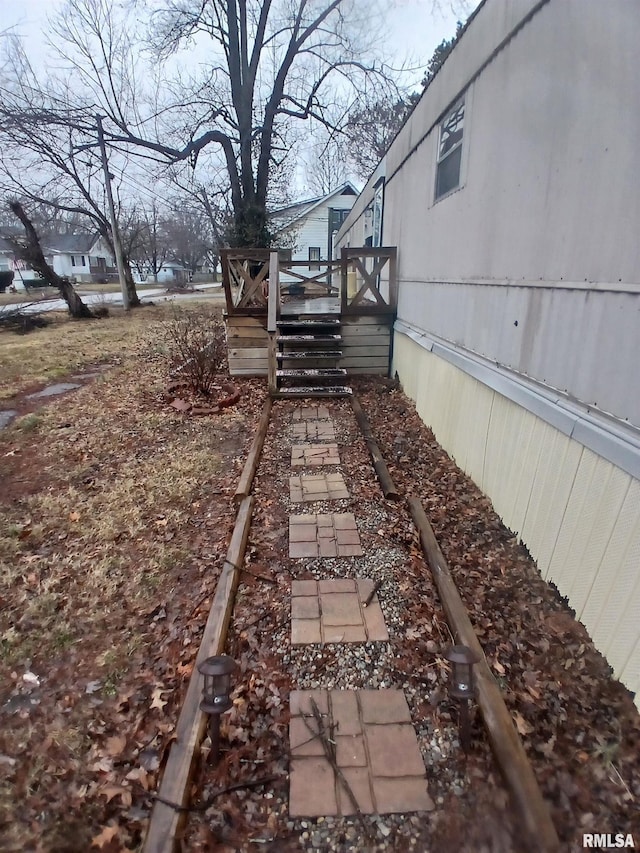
(114, 514)
(67, 345)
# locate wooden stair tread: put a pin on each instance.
(309, 339)
(315, 391)
(309, 355)
(311, 372)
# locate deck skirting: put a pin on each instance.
(366, 344)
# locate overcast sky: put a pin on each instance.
(413, 27)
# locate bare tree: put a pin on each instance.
(270, 63)
(29, 250)
(46, 149)
(188, 237)
(327, 167)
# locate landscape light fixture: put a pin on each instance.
(461, 687)
(217, 672)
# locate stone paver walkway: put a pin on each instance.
(371, 738)
(333, 611)
(331, 534)
(311, 413)
(314, 454)
(376, 749)
(313, 431)
(318, 487)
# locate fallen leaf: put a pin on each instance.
(522, 725)
(181, 405)
(74, 516)
(139, 774)
(107, 835)
(156, 699)
(113, 791)
(161, 522)
(115, 745)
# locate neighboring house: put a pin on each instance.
(308, 228)
(23, 275)
(170, 272)
(83, 257)
(513, 195)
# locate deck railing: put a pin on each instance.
(363, 278)
(369, 280)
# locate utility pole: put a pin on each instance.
(117, 248)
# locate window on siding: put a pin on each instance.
(284, 255)
(450, 151)
(82, 263)
(314, 257)
(73, 261)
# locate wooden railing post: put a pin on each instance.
(344, 269)
(273, 311)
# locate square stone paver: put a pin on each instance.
(381, 761)
(311, 413)
(324, 535)
(313, 431)
(318, 487)
(310, 455)
(333, 611)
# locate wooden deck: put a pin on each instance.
(362, 299)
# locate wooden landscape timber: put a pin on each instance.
(169, 811)
(503, 737)
(386, 481)
(251, 464)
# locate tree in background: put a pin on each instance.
(270, 65)
(372, 127)
(44, 158)
(29, 250)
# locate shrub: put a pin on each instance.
(197, 348)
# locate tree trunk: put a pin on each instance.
(134, 299)
(32, 253)
(250, 227)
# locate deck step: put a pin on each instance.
(309, 355)
(309, 339)
(308, 323)
(312, 373)
(315, 391)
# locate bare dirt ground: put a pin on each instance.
(114, 522)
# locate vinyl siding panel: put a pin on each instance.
(578, 514)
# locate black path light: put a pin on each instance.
(461, 687)
(216, 698)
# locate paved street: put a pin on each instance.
(159, 294)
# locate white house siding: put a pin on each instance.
(312, 231)
(542, 233)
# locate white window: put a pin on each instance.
(82, 259)
(450, 151)
(73, 261)
(314, 257)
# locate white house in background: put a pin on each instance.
(512, 194)
(83, 257)
(171, 272)
(308, 228)
(22, 274)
